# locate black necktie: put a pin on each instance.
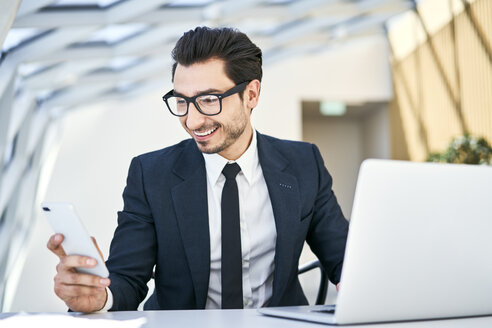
(231, 272)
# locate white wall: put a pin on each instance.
(100, 141)
(357, 72)
(376, 132)
(340, 144)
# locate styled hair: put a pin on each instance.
(242, 57)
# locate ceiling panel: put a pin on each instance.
(118, 44)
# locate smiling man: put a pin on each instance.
(219, 219)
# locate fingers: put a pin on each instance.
(97, 246)
(73, 278)
(54, 245)
(82, 298)
(76, 261)
(68, 292)
(80, 291)
(68, 275)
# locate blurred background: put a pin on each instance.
(81, 84)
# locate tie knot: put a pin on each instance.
(231, 170)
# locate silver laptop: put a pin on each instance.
(419, 246)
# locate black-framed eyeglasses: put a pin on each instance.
(207, 104)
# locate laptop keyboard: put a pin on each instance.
(330, 309)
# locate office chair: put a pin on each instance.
(323, 281)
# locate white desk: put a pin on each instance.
(251, 319)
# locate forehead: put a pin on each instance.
(193, 79)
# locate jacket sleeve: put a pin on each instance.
(327, 234)
(133, 248)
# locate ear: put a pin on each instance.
(252, 93)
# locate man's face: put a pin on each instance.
(227, 133)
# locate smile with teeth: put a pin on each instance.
(205, 133)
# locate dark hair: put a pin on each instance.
(241, 56)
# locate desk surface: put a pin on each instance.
(252, 319)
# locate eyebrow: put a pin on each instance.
(203, 92)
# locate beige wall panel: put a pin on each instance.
(399, 146)
(426, 113)
(482, 11)
(476, 72)
(409, 118)
(436, 104)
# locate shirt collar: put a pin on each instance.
(214, 163)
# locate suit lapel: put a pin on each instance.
(284, 195)
(191, 207)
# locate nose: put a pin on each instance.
(194, 119)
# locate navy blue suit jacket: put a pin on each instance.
(165, 223)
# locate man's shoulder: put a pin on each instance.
(286, 145)
(168, 154)
(299, 154)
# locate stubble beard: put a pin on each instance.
(232, 133)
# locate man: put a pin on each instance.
(222, 216)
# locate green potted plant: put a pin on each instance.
(465, 149)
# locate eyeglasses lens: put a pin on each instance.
(209, 104)
(177, 105)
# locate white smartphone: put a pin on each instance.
(64, 220)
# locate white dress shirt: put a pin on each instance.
(258, 231)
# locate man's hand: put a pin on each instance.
(81, 292)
